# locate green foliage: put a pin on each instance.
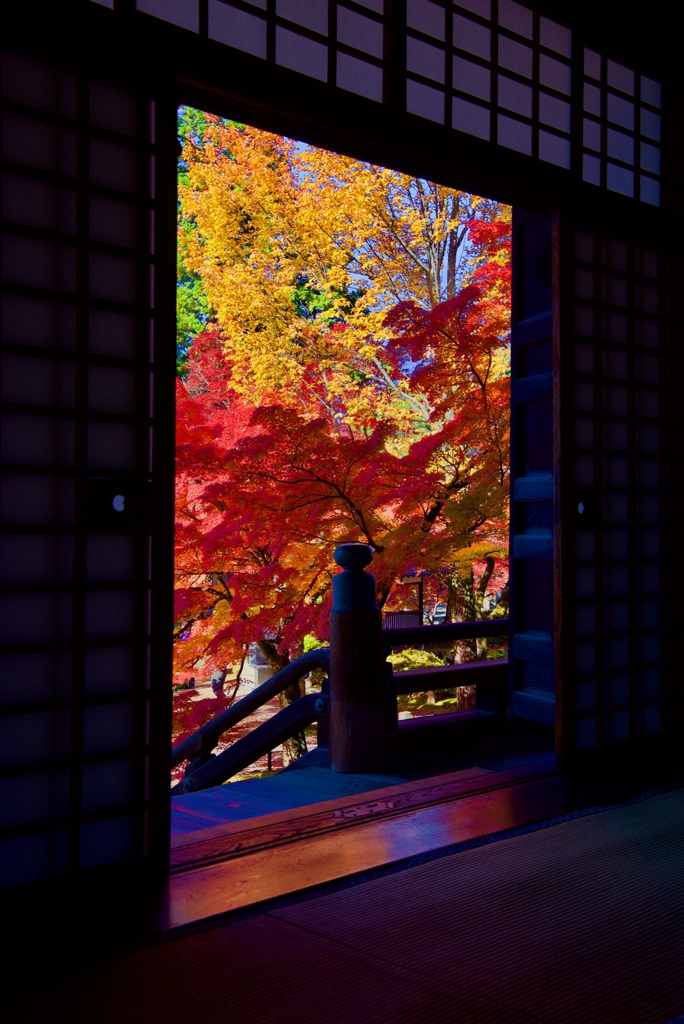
(192, 125)
(246, 774)
(193, 310)
(404, 661)
(308, 301)
(449, 702)
(316, 677)
(364, 396)
(434, 702)
(310, 643)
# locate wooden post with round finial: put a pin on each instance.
(358, 669)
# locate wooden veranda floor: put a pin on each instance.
(577, 919)
(309, 783)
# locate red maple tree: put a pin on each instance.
(265, 492)
(389, 423)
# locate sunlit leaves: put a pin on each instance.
(351, 385)
(293, 241)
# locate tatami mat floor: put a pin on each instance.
(577, 922)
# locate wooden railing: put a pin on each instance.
(209, 769)
(490, 677)
(356, 708)
(363, 688)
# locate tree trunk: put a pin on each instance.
(483, 642)
(296, 746)
(461, 608)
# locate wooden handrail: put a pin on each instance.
(362, 687)
(202, 742)
(245, 751)
(217, 769)
(446, 677)
(403, 636)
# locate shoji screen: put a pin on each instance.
(532, 571)
(490, 71)
(611, 345)
(78, 472)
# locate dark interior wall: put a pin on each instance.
(551, 111)
(88, 205)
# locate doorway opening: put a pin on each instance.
(343, 375)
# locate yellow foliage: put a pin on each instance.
(274, 216)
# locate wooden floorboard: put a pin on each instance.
(254, 863)
(240, 801)
(310, 781)
(580, 921)
(229, 838)
(226, 808)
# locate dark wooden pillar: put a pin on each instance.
(358, 669)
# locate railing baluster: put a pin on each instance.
(359, 673)
(359, 693)
(205, 739)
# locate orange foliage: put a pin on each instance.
(354, 387)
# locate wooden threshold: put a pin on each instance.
(237, 838)
(302, 849)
